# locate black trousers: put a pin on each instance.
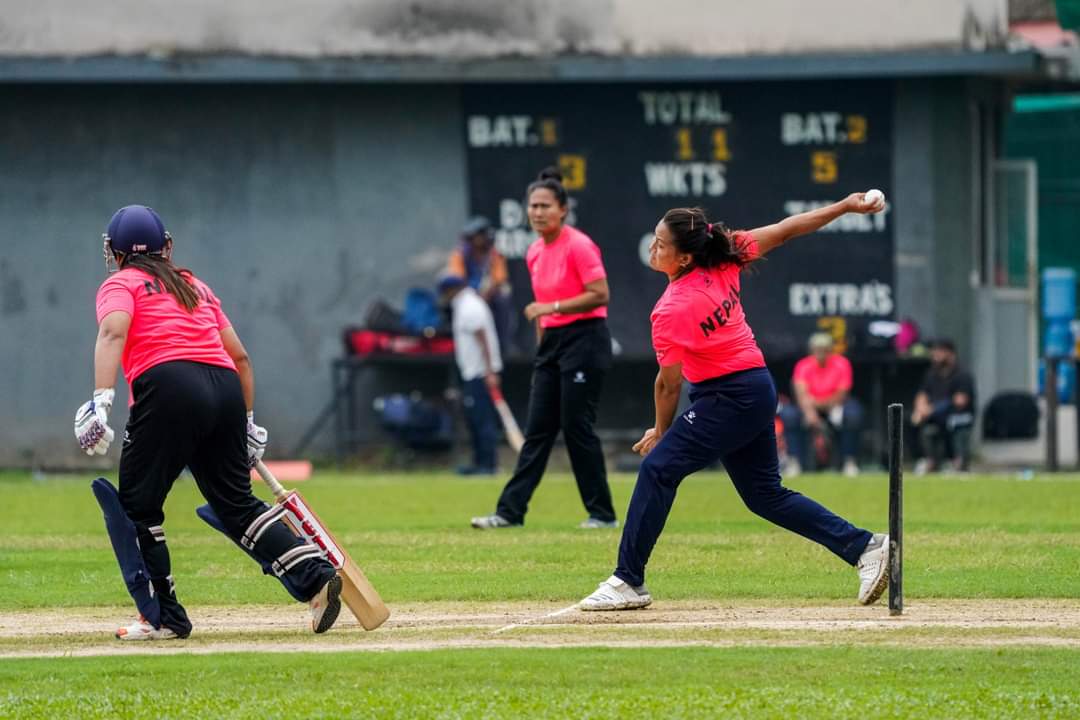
(568, 375)
(192, 415)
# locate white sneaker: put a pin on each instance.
(492, 522)
(874, 569)
(922, 466)
(792, 469)
(326, 605)
(851, 469)
(614, 594)
(142, 630)
(594, 524)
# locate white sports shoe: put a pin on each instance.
(595, 523)
(492, 522)
(142, 630)
(326, 605)
(614, 594)
(874, 569)
(851, 468)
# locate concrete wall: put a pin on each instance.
(954, 190)
(946, 142)
(913, 202)
(296, 204)
(936, 208)
(490, 28)
(300, 204)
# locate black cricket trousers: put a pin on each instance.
(189, 414)
(568, 375)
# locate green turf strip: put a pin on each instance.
(966, 538)
(580, 683)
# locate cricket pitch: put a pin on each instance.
(438, 625)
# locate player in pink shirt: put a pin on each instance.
(700, 333)
(570, 286)
(192, 391)
(821, 385)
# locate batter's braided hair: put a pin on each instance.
(175, 280)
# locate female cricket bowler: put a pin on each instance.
(570, 286)
(192, 390)
(700, 332)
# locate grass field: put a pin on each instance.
(749, 621)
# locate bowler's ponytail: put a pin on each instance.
(709, 244)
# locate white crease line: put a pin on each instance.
(557, 613)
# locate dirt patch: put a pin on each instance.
(941, 613)
(276, 628)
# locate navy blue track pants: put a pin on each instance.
(730, 419)
(481, 417)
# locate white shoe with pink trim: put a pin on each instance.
(142, 630)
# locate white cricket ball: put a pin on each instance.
(874, 197)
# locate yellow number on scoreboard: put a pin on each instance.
(837, 327)
(573, 171)
(549, 132)
(856, 128)
(721, 152)
(684, 144)
(823, 168)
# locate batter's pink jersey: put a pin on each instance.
(823, 380)
(699, 322)
(560, 271)
(161, 329)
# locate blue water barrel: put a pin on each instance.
(1059, 293)
(1058, 339)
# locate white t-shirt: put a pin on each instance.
(471, 313)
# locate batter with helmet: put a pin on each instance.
(192, 391)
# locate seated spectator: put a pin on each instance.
(476, 349)
(484, 269)
(944, 412)
(821, 385)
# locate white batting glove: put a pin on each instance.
(92, 423)
(256, 440)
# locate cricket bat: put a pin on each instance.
(513, 432)
(356, 590)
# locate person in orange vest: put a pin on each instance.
(484, 269)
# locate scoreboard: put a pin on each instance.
(748, 153)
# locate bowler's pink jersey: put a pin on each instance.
(699, 322)
(560, 270)
(161, 329)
